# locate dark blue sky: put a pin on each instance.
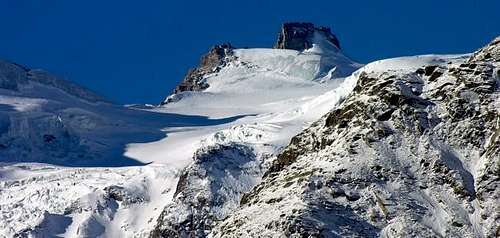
(137, 51)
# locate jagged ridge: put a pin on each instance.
(407, 154)
(212, 62)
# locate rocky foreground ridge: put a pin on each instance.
(409, 153)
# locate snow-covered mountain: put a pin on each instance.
(295, 141)
(303, 56)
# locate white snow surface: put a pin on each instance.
(269, 92)
(266, 96)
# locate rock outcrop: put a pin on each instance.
(212, 62)
(211, 188)
(301, 35)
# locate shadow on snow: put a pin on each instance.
(130, 126)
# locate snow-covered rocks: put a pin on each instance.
(212, 62)
(39, 200)
(404, 155)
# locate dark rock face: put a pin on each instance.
(212, 62)
(121, 194)
(299, 36)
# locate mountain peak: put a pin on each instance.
(211, 62)
(215, 57)
(16, 77)
(301, 36)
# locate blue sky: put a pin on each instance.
(137, 51)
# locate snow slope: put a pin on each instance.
(62, 166)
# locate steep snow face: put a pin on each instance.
(411, 152)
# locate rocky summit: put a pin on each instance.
(300, 36)
(212, 62)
